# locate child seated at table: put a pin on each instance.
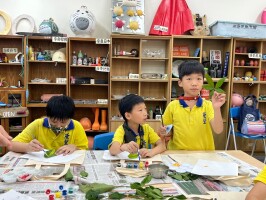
(258, 192)
(134, 135)
(56, 131)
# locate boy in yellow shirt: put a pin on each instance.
(56, 131)
(134, 134)
(192, 117)
(258, 192)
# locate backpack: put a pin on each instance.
(248, 111)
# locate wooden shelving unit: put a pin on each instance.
(91, 91)
(12, 90)
(245, 87)
(154, 91)
(45, 69)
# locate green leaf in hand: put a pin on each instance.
(49, 153)
(220, 82)
(133, 155)
(209, 80)
(214, 87)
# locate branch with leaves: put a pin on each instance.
(212, 86)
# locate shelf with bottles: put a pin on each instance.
(11, 61)
(47, 73)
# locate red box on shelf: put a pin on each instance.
(181, 50)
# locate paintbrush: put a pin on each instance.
(161, 113)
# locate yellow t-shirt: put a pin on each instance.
(39, 129)
(261, 176)
(150, 136)
(191, 127)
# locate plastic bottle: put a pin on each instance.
(151, 113)
(85, 59)
(74, 58)
(80, 57)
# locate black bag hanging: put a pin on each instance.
(248, 110)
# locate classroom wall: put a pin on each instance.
(61, 10)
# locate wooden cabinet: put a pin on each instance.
(139, 65)
(245, 63)
(11, 69)
(89, 81)
(199, 48)
(44, 75)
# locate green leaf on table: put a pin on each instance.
(83, 174)
(116, 195)
(146, 180)
(100, 187)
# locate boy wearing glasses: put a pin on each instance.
(56, 131)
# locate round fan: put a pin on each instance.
(175, 66)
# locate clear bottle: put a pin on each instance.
(150, 113)
(80, 57)
(74, 58)
(85, 59)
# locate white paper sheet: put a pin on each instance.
(124, 156)
(215, 168)
(39, 156)
(13, 195)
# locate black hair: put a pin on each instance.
(190, 67)
(60, 107)
(127, 103)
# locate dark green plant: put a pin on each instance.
(212, 86)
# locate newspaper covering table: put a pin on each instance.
(103, 171)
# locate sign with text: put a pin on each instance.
(14, 112)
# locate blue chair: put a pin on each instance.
(235, 113)
(102, 141)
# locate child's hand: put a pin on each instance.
(66, 149)
(145, 153)
(218, 99)
(131, 147)
(162, 131)
(34, 146)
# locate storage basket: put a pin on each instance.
(238, 29)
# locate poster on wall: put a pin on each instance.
(128, 16)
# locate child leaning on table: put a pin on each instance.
(192, 117)
(258, 192)
(134, 134)
(56, 131)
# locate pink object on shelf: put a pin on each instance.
(263, 17)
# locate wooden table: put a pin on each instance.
(236, 153)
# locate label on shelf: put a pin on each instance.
(255, 55)
(102, 41)
(59, 39)
(102, 68)
(10, 50)
(14, 112)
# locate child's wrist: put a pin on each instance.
(121, 148)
